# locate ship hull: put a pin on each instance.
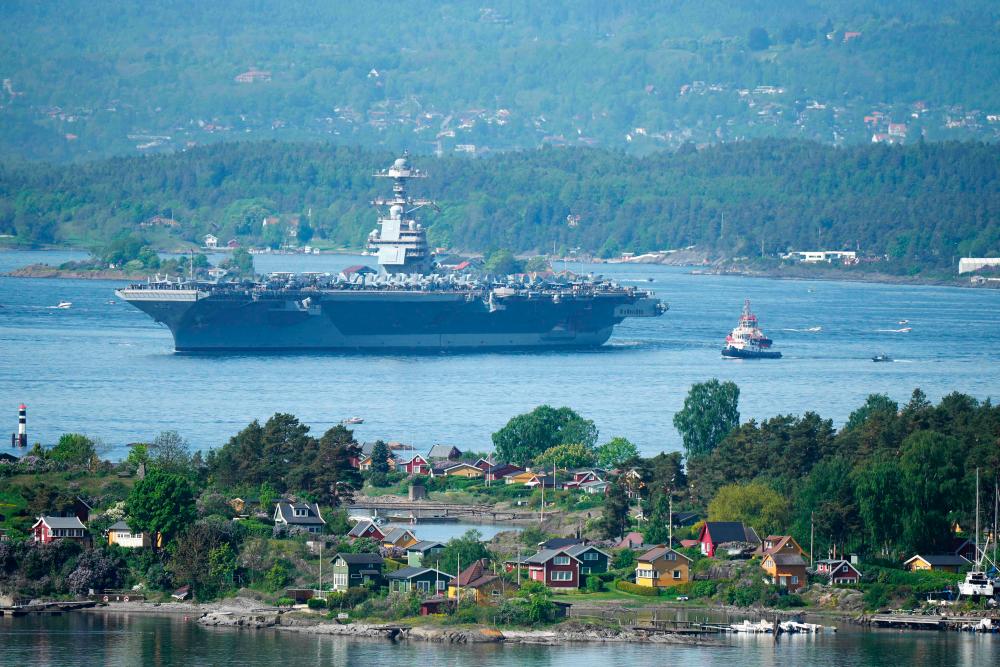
(387, 321)
(737, 353)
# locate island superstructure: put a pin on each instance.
(405, 306)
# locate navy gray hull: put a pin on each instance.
(389, 320)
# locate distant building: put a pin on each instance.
(51, 528)
(211, 241)
(816, 256)
(970, 264)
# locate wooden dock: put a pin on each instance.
(918, 621)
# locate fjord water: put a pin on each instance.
(122, 639)
(105, 369)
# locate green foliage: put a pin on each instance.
(868, 195)
(467, 548)
(624, 559)
(380, 458)
(277, 577)
(526, 436)
(567, 456)
(532, 536)
(616, 452)
(284, 602)
(615, 517)
(222, 564)
(316, 603)
(709, 414)
(239, 264)
(594, 584)
(73, 449)
(502, 262)
(635, 589)
(162, 502)
(756, 505)
(170, 452)
(657, 529)
(876, 596)
(703, 589)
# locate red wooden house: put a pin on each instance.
(51, 528)
(413, 465)
(714, 533)
(366, 529)
(555, 568)
(838, 571)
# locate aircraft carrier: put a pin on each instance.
(408, 304)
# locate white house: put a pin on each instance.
(211, 241)
(969, 264)
(821, 255)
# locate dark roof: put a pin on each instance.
(685, 518)
(443, 452)
(424, 546)
(545, 555)
(559, 542)
(730, 531)
(941, 559)
(410, 572)
(360, 559)
(119, 525)
(360, 527)
(660, 551)
(504, 469)
(578, 549)
(787, 559)
(287, 512)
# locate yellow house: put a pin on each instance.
(119, 533)
(522, 477)
(401, 538)
(935, 563)
(466, 470)
(662, 567)
(476, 583)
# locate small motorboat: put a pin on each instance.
(63, 305)
(879, 358)
(903, 322)
(353, 420)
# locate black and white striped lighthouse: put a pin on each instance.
(22, 426)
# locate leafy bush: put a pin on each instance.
(284, 602)
(635, 589)
(624, 559)
(703, 589)
(594, 584)
(348, 599)
(789, 601)
(316, 603)
(876, 596)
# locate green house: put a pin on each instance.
(592, 559)
(350, 570)
(424, 550)
(420, 579)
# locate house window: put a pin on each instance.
(584, 570)
(340, 580)
(590, 555)
(670, 556)
(795, 579)
(644, 574)
(560, 560)
(440, 584)
(677, 574)
(495, 593)
(424, 586)
(300, 512)
(561, 575)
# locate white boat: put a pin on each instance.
(353, 420)
(63, 305)
(760, 627)
(977, 583)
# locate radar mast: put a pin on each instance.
(400, 242)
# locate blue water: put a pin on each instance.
(107, 370)
(124, 640)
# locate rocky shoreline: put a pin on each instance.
(48, 271)
(566, 633)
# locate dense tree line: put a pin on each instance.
(921, 205)
(894, 480)
(113, 76)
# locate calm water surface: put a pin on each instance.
(118, 640)
(105, 369)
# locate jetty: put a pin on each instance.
(44, 608)
(929, 622)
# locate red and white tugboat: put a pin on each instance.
(747, 341)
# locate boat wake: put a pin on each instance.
(903, 330)
(809, 330)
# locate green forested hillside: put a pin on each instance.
(85, 79)
(923, 205)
